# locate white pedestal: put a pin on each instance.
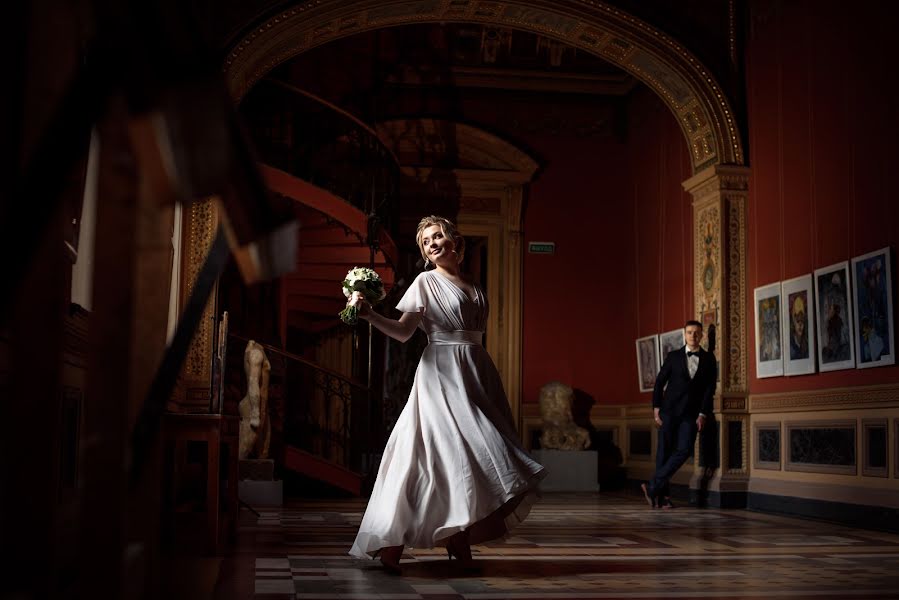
(261, 493)
(569, 470)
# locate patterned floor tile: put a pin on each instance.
(578, 546)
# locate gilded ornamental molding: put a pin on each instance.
(736, 340)
(676, 75)
(879, 396)
(719, 265)
(202, 225)
(734, 404)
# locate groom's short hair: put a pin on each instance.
(692, 322)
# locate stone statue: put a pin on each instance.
(559, 430)
(255, 425)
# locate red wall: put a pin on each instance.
(621, 223)
(822, 129)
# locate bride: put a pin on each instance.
(454, 472)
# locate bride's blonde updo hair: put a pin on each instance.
(449, 230)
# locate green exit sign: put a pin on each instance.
(542, 247)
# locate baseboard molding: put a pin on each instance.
(880, 518)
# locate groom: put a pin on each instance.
(680, 410)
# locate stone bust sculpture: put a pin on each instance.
(255, 425)
(559, 429)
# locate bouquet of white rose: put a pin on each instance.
(366, 281)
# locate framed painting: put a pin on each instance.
(796, 320)
(872, 290)
(648, 362)
(833, 318)
(769, 360)
(668, 341)
(709, 320)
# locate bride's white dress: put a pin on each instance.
(453, 460)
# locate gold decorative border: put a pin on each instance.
(202, 224)
(867, 469)
(707, 257)
(719, 263)
(875, 396)
(736, 290)
(734, 403)
(686, 86)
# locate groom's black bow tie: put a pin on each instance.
(689, 354)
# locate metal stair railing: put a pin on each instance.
(317, 141)
(326, 413)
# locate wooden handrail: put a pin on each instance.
(353, 382)
(348, 116)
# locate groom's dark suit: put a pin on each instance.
(680, 404)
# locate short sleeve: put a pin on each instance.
(416, 298)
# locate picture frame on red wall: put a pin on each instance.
(797, 320)
(648, 364)
(872, 295)
(833, 318)
(769, 353)
(668, 341)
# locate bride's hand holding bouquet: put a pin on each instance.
(362, 288)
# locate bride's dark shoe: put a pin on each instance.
(390, 558)
(458, 547)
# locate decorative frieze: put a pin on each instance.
(878, 396)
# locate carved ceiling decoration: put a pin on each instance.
(431, 141)
(651, 56)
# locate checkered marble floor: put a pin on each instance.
(574, 546)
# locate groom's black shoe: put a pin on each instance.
(666, 503)
(649, 494)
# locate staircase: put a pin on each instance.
(331, 242)
(338, 172)
(334, 407)
(316, 467)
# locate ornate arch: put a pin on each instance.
(679, 78)
(720, 183)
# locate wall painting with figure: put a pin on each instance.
(668, 341)
(872, 285)
(796, 320)
(768, 341)
(833, 310)
(648, 361)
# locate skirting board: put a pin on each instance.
(855, 515)
(880, 518)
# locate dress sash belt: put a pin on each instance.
(457, 337)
